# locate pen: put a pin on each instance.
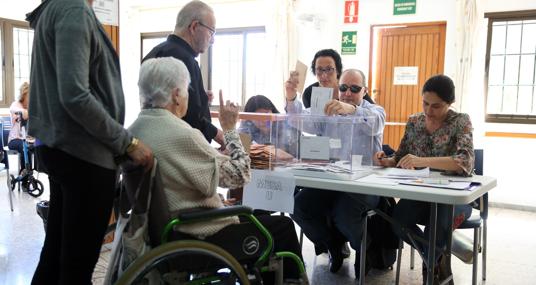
(433, 181)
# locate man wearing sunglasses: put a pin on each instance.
(194, 33)
(345, 210)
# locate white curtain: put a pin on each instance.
(281, 34)
(466, 32)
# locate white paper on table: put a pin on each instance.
(408, 173)
(320, 96)
(270, 190)
(314, 147)
(377, 179)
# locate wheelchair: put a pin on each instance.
(177, 258)
(26, 179)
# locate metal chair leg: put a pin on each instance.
(363, 253)
(412, 258)
(301, 239)
(9, 192)
(476, 237)
(484, 247)
(399, 262)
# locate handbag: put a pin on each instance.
(132, 230)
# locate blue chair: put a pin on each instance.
(5, 162)
(478, 222)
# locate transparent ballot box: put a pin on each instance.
(333, 147)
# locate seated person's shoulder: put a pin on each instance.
(413, 119)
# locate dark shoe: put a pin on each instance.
(320, 248)
(345, 250)
(335, 258)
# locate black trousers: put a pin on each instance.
(81, 197)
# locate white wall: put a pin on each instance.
(319, 25)
(16, 10)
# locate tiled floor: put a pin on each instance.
(511, 253)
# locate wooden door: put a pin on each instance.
(113, 34)
(416, 45)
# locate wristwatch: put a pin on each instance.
(133, 145)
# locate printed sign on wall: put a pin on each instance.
(404, 7)
(107, 11)
(349, 42)
(351, 12)
(406, 75)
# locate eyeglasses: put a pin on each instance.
(326, 70)
(353, 88)
(211, 30)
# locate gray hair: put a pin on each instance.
(194, 10)
(158, 78)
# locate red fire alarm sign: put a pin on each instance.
(351, 11)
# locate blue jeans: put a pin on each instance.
(324, 215)
(409, 213)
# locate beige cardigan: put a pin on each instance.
(190, 168)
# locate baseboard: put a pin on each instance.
(513, 206)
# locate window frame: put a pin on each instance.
(500, 17)
(7, 60)
(205, 59)
(244, 31)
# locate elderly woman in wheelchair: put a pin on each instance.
(190, 170)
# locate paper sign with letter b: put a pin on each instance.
(270, 190)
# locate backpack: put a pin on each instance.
(381, 253)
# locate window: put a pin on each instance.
(238, 64)
(510, 67)
(235, 63)
(16, 40)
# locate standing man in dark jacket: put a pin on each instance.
(193, 34)
(76, 111)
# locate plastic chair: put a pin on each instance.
(5, 161)
(478, 222)
(6, 128)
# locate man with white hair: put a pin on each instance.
(193, 34)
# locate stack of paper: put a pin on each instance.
(261, 156)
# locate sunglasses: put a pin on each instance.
(353, 88)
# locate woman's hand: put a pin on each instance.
(336, 107)
(291, 86)
(228, 114)
(411, 161)
(383, 160)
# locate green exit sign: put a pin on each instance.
(404, 7)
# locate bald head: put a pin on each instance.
(351, 80)
(193, 11)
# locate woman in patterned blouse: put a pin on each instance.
(441, 139)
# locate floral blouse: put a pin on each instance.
(454, 138)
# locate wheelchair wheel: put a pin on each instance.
(35, 188)
(11, 182)
(161, 265)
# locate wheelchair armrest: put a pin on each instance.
(205, 214)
